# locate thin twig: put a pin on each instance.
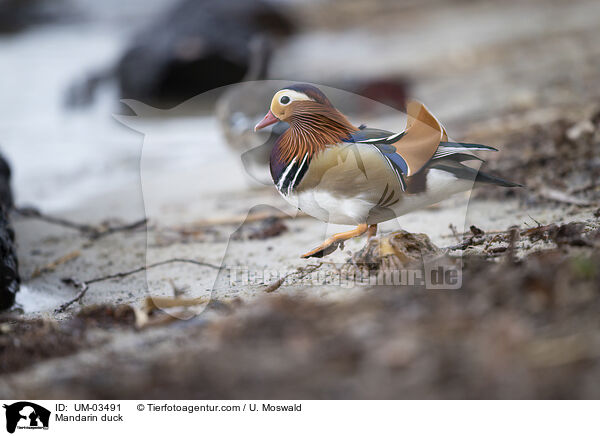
(466, 243)
(55, 263)
(97, 234)
(539, 224)
(487, 232)
(583, 188)
(30, 212)
(512, 245)
(477, 238)
(90, 231)
(452, 227)
(235, 220)
(300, 272)
(562, 197)
(83, 286)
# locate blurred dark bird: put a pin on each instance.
(194, 47)
(343, 174)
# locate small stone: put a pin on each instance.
(575, 132)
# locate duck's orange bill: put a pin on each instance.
(266, 121)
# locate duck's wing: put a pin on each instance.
(368, 135)
(423, 143)
(381, 140)
(415, 146)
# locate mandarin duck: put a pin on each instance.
(343, 174)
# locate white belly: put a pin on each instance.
(441, 185)
(358, 209)
(331, 209)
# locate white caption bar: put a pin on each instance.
(149, 417)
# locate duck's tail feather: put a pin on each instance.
(467, 173)
(495, 180)
(463, 148)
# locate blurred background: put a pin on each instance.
(100, 99)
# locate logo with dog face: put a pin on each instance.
(26, 415)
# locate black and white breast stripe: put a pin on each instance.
(399, 174)
(292, 175)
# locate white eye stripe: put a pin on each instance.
(293, 96)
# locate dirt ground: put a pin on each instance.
(524, 323)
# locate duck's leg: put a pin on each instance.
(331, 244)
(372, 231)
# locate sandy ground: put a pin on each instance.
(177, 229)
(194, 212)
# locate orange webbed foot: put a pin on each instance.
(337, 240)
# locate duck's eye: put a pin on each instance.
(284, 100)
